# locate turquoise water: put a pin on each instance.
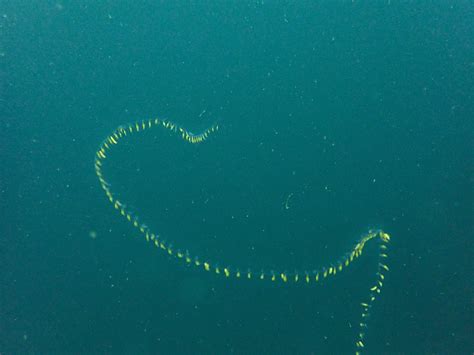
(335, 118)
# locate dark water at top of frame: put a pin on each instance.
(336, 117)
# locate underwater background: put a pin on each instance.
(335, 117)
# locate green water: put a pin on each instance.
(335, 117)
